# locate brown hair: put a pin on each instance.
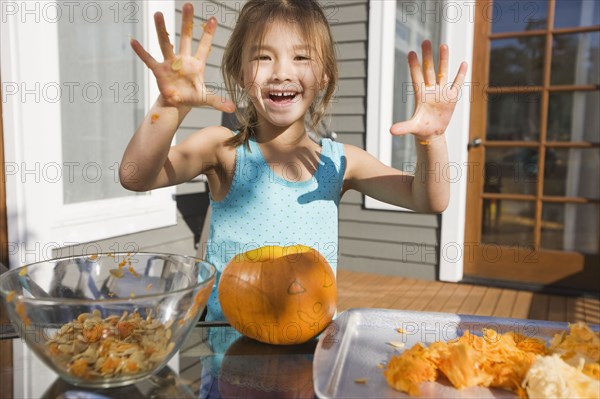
(250, 28)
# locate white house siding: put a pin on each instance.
(386, 242)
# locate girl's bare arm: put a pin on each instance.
(427, 190)
(149, 160)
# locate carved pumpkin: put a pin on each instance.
(251, 369)
(278, 295)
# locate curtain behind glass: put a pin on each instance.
(415, 22)
(102, 101)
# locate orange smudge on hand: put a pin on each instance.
(154, 118)
(189, 29)
(10, 296)
(177, 64)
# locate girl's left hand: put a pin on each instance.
(435, 99)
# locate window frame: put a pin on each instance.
(458, 34)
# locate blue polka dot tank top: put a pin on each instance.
(263, 208)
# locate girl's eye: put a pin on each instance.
(302, 58)
(263, 58)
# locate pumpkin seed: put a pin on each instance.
(396, 344)
(118, 273)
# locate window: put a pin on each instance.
(396, 27)
(73, 94)
(410, 33)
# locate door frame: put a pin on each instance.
(6, 360)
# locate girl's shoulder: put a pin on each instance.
(219, 135)
(213, 136)
(357, 160)
(209, 145)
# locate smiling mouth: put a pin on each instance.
(281, 97)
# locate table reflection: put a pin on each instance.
(251, 369)
(165, 384)
(215, 362)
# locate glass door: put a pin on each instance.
(533, 196)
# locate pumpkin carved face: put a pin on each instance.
(278, 295)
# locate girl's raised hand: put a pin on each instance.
(180, 77)
(435, 99)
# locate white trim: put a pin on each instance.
(460, 37)
(380, 87)
(457, 32)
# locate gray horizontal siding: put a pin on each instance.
(390, 267)
(348, 106)
(407, 219)
(386, 242)
(388, 232)
(173, 239)
(352, 87)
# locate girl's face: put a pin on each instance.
(281, 78)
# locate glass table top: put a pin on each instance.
(214, 362)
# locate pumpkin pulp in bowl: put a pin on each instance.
(107, 320)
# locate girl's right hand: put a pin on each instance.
(180, 77)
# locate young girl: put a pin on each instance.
(270, 184)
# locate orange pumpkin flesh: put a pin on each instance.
(278, 295)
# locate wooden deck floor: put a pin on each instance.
(365, 290)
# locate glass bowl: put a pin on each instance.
(107, 320)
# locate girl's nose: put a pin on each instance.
(281, 71)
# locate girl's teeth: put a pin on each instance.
(280, 96)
